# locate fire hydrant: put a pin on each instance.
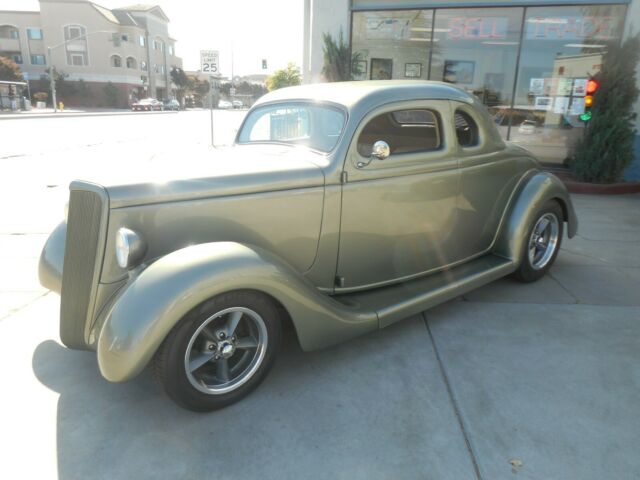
(61, 106)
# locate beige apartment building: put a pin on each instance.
(129, 47)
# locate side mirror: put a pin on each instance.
(380, 151)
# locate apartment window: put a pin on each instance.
(73, 31)
(16, 57)
(116, 61)
(77, 59)
(143, 65)
(163, 70)
(155, 67)
(76, 45)
(141, 41)
(7, 31)
(124, 37)
(34, 33)
(38, 60)
(171, 51)
(131, 62)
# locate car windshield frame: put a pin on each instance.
(294, 103)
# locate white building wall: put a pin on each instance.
(324, 16)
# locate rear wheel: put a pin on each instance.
(543, 243)
(220, 351)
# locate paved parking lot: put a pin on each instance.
(537, 381)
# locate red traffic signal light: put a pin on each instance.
(592, 86)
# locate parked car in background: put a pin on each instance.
(147, 104)
(225, 104)
(172, 104)
(342, 208)
(237, 104)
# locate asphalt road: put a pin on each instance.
(536, 381)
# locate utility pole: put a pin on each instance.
(52, 82)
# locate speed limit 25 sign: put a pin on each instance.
(209, 62)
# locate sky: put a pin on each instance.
(251, 29)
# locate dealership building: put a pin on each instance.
(527, 61)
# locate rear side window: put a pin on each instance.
(466, 129)
(406, 131)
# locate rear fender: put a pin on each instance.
(536, 190)
(154, 301)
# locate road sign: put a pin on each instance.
(209, 62)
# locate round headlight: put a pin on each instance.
(129, 248)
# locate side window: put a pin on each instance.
(406, 131)
(466, 129)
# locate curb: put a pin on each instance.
(79, 114)
(602, 189)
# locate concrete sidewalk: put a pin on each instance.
(537, 381)
(70, 112)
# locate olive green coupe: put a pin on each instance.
(341, 208)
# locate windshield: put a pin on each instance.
(315, 126)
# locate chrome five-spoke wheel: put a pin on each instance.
(543, 240)
(226, 350)
(220, 351)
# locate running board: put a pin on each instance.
(399, 301)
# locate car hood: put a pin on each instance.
(206, 173)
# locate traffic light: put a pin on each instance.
(264, 63)
(592, 86)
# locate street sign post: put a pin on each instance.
(210, 64)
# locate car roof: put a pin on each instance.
(353, 94)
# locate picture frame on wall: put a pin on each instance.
(458, 71)
(381, 68)
(413, 70)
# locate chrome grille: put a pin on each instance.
(83, 241)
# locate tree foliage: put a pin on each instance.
(179, 78)
(339, 64)
(287, 77)
(606, 149)
(111, 95)
(10, 71)
(244, 88)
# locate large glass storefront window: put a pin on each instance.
(391, 44)
(477, 49)
(543, 54)
(561, 48)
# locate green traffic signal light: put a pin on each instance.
(586, 116)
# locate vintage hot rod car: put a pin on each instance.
(341, 208)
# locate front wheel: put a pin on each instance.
(220, 351)
(543, 240)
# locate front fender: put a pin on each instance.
(154, 302)
(536, 190)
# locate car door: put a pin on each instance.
(488, 176)
(399, 215)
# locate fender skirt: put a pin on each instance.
(537, 190)
(154, 301)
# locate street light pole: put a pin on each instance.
(52, 82)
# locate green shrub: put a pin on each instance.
(606, 148)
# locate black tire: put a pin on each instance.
(527, 272)
(170, 365)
